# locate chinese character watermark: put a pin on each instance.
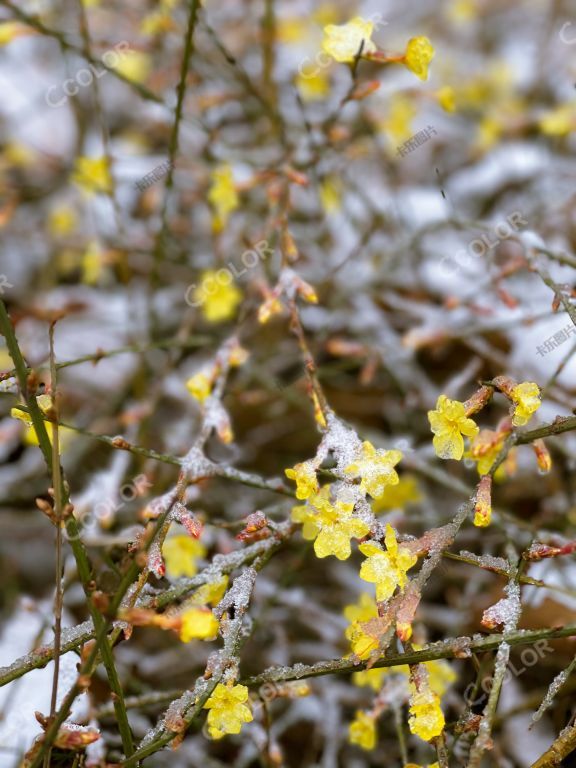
(416, 141)
(553, 342)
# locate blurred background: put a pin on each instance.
(425, 214)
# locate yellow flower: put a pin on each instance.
(373, 678)
(375, 469)
(219, 299)
(199, 386)
(447, 98)
(305, 476)
(227, 710)
(449, 422)
(440, 674)
(398, 123)
(198, 624)
(313, 86)
(398, 496)
(342, 41)
(157, 23)
(413, 765)
(462, 11)
(222, 196)
(489, 131)
(387, 569)
(419, 54)
(92, 175)
(92, 263)
(361, 642)
(362, 730)
(426, 717)
(62, 221)
(65, 435)
(10, 30)
(180, 554)
(332, 526)
(210, 593)
(526, 397)
(485, 448)
(330, 191)
(44, 403)
(134, 65)
(559, 121)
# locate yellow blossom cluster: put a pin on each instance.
(375, 469)
(347, 42)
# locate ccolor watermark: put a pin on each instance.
(84, 77)
(250, 258)
(562, 34)
(478, 247)
(105, 511)
(529, 657)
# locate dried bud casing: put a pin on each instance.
(542, 456)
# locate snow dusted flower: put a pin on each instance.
(180, 555)
(419, 54)
(448, 423)
(330, 525)
(222, 196)
(426, 718)
(483, 505)
(362, 730)
(198, 623)
(387, 569)
(343, 41)
(526, 397)
(227, 710)
(375, 468)
(304, 475)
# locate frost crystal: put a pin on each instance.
(506, 611)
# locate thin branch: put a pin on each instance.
(452, 648)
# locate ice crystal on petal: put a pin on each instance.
(375, 468)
